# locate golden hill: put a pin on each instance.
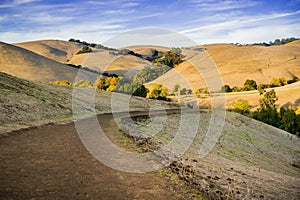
(102, 60)
(235, 64)
(31, 66)
(61, 51)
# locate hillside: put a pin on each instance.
(31, 66)
(102, 60)
(250, 160)
(58, 50)
(26, 103)
(236, 64)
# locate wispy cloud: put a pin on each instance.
(16, 2)
(248, 19)
(217, 5)
(92, 20)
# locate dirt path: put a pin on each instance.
(50, 162)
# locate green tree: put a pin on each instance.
(277, 82)
(157, 91)
(261, 89)
(288, 121)
(84, 49)
(176, 87)
(250, 85)
(150, 73)
(99, 82)
(241, 106)
(226, 88)
(268, 101)
(267, 112)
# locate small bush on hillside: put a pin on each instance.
(293, 80)
(157, 91)
(226, 88)
(84, 50)
(241, 106)
(62, 82)
(83, 83)
(277, 82)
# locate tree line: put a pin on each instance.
(287, 119)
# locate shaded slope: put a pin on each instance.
(250, 159)
(31, 66)
(23, 103)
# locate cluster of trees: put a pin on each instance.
(184, 91)
(127, 85)
(287, 119)
(169, 58)
(252, 85)
(150, 73)
(80, 83)
(125, 52)
(84, 49)
(93, 45)
(277, 42)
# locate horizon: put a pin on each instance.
(203, 22)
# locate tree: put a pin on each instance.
(268, 101)
(226, 88)
(157, 91)
(277, 82)
(241, 106)
(250, 85)
(267, 112)
(169, 58)
(84, 49)
(196, 91)
(261, 89)
(149, 73)
(99, 82)
(176, 87)
(288, 121)
(293, 80)
(205, 91)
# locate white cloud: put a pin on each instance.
(217, 5)
(16, 2)
(240, 22)
(23, 1)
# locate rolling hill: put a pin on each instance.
(58, 50)
(236, 64)
(250, 158)
(31, 66)
(102, 60)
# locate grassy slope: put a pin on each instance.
(57, 50)
(103, 61)
(24, 103)
(252, 158)
(237, 64)
(31, 66)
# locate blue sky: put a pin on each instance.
(204, 21)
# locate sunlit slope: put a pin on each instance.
(235, 65)
(31, 66)
(103, 61)
(61, 51)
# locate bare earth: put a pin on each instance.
(50, 162)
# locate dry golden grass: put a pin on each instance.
(103, 61)
(31, 66)
(237, 64)
(58, 50)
